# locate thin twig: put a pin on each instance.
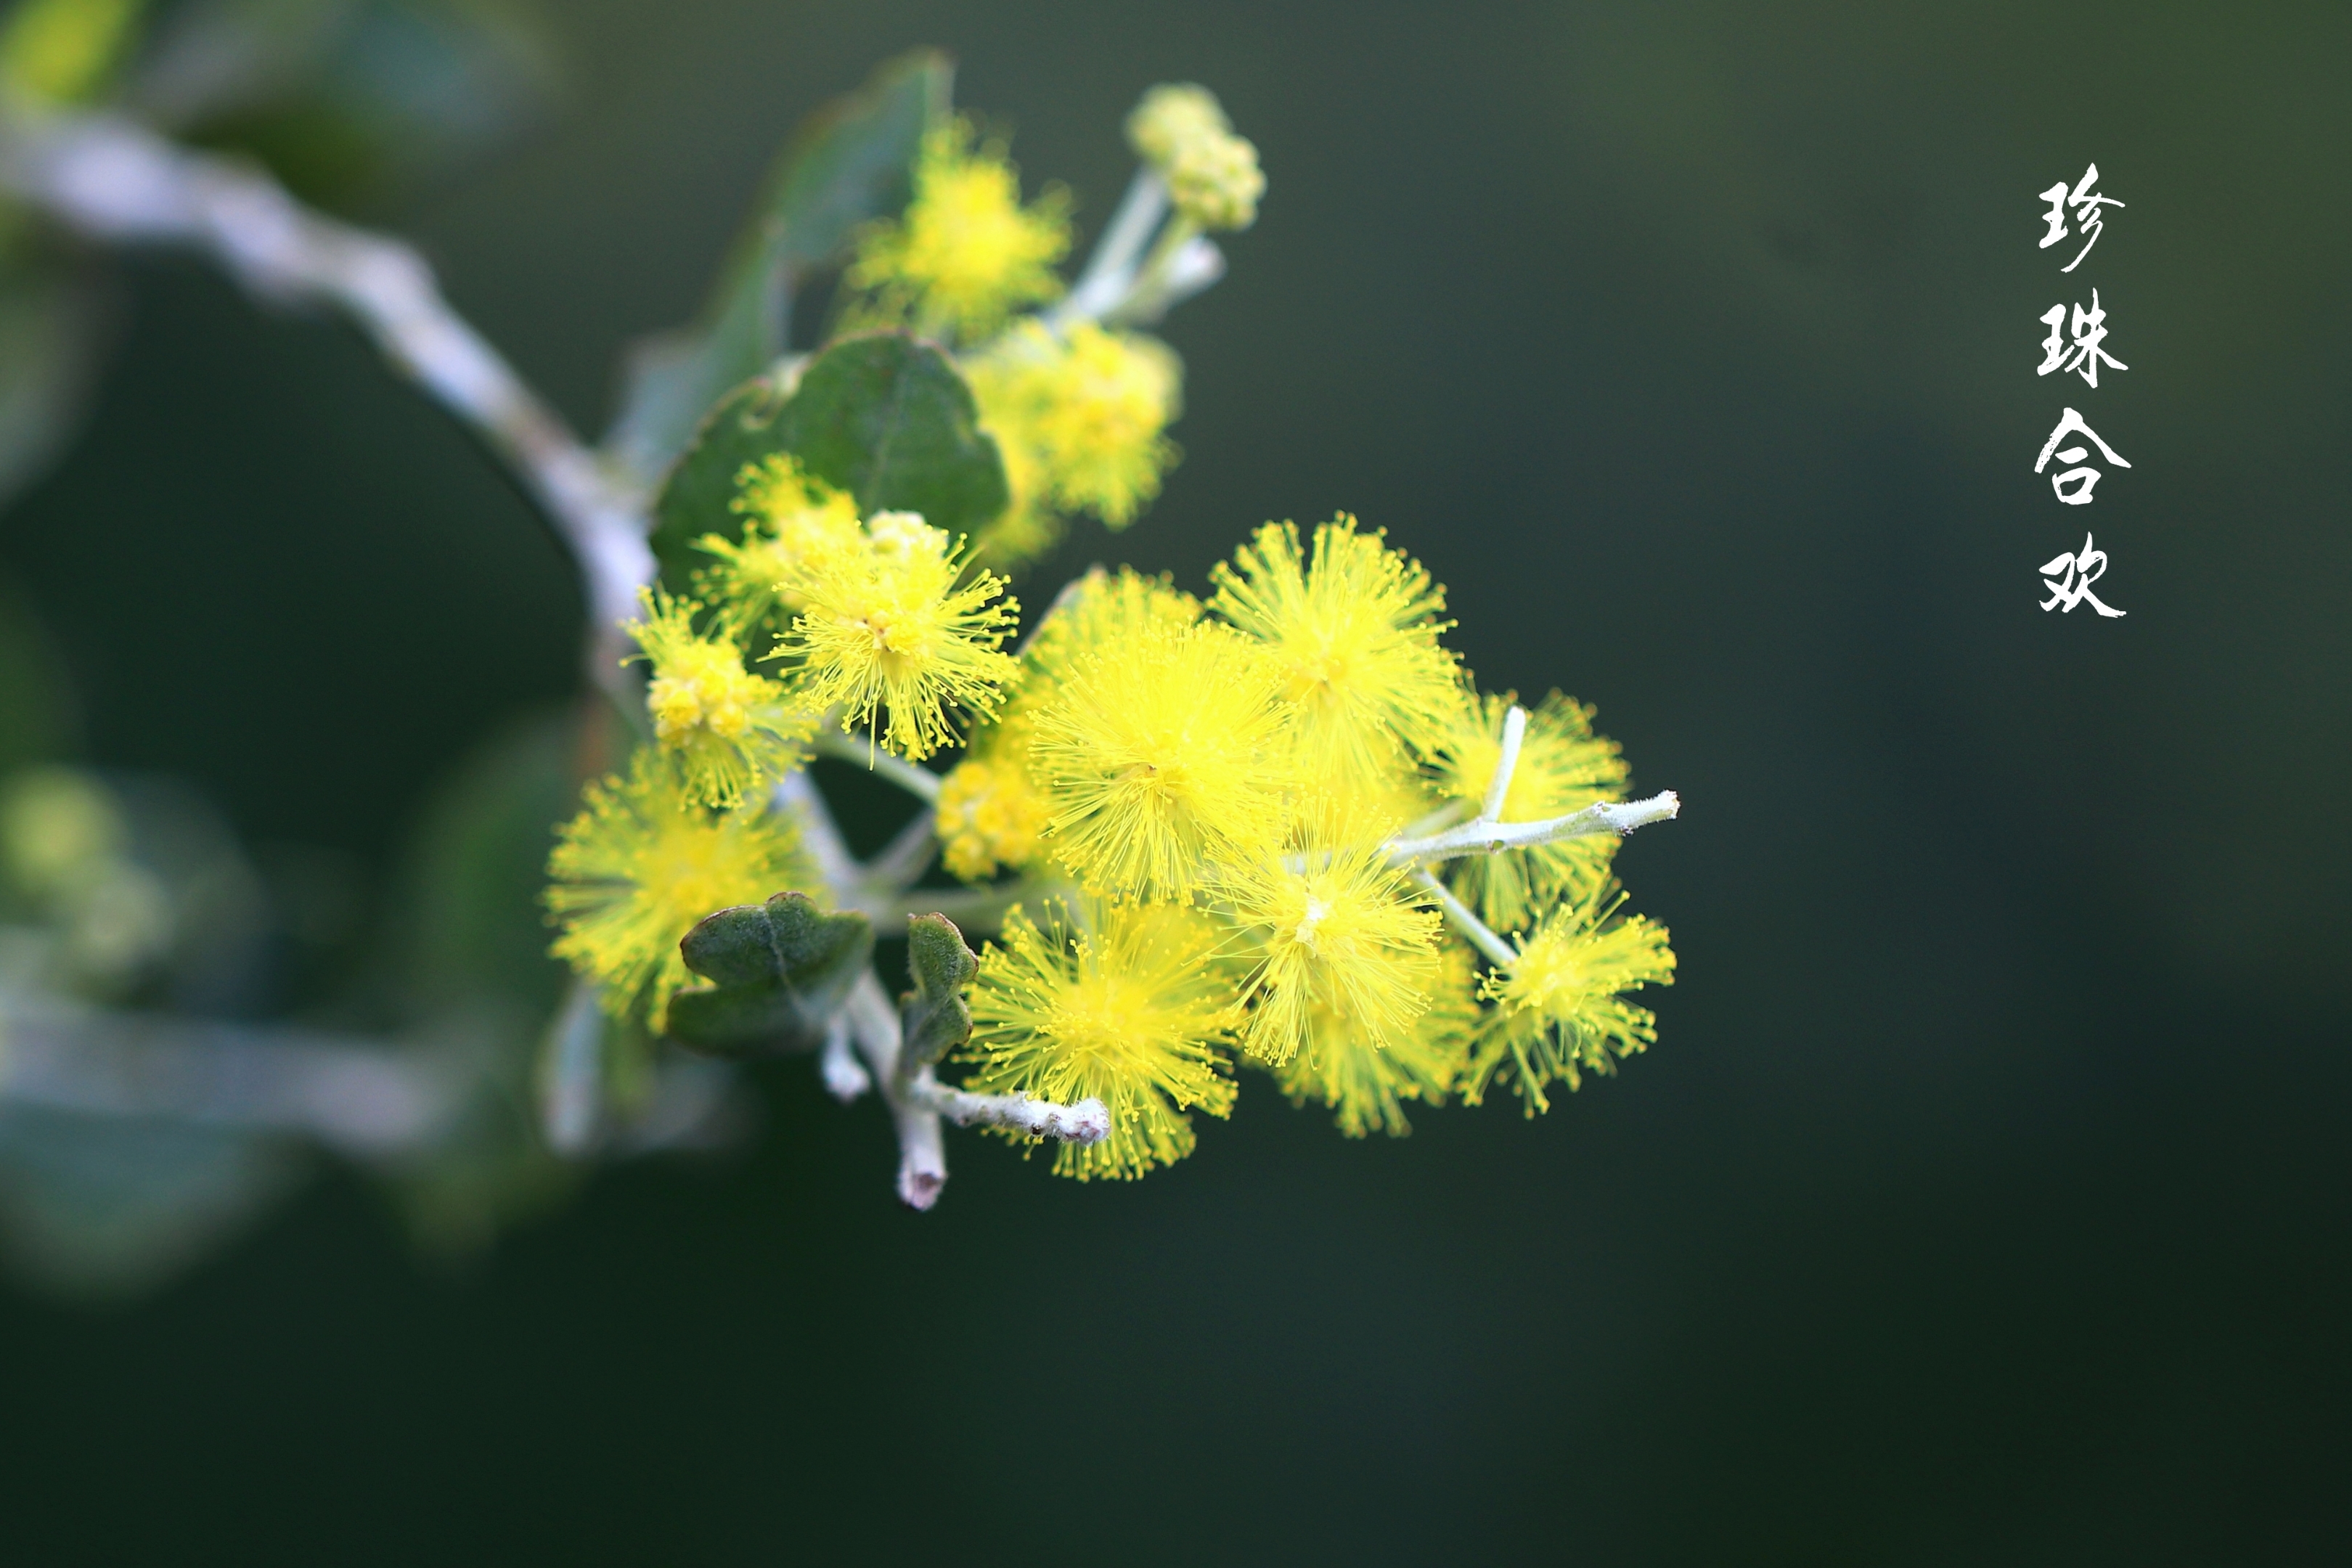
(1493, 837)
(1481, 935)
(110, 179)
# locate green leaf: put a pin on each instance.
(933, 1015)
(697, 498)
(850, 162)
(883, 415)
(778, 972)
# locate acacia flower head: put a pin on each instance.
(1161, 752)
(1354, 633)
(1335, 929)
(791, 522)
(727, 729)
(895, 627)
(642, 863)
(1367, 1085)
(1123, 1002)
(1082, 416)
(1563, 767)
(1561, 1010)
(966, 252)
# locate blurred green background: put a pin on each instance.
(1985, 1199)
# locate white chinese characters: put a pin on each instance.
(2071, 424)
(2069, 578)
(2086, 354)
(2076, 346)
(2086, 203)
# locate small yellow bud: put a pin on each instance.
(1216, 183)
(1171, 118)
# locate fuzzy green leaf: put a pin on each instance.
(933, 1015)
(850, 162)
(778, 970)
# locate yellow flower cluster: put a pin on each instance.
(1233, 778)
(888, 631)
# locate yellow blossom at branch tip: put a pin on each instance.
(1560, 1012)
(728, 730)
(642, 864)
(1161, 752)
(1123, 1002)
(1563, 767)
(966, 252)
(895, 634)
(1354, 633)
(1334, 928)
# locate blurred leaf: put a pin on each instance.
(779, 971)
(35, 704)
(933, 1014)
(851, 161)
(470, 925)
(881, 415)
(472, 970)
(66, 50)
(47, 352)
(345, 98)
(102, 1208)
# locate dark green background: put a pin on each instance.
(1984, 1200)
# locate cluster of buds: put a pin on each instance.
(1213, 174)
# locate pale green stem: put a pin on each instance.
(1495, 837)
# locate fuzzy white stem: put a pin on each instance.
(922, 1153)
(572, 1073)
(1506, 763)
(1111, 271)
(361, 1097)
(1493, 837)
(845, 1079)
(796, 794)
(113, 180)
(1088, 1122)
(1466, 920)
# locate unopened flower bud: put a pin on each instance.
(1216, 182)
(1172, 117)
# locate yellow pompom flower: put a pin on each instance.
(893, 625)
(642, 863)
(1119, 1002)
(1354, 633)
(1088, 411)
(1337, 929)
(791, 521)
(1561, 1010)
(1161, 752)
(728, 730)
(1563, 766)
(1367, 1085)
(966, 253)
(988, 816)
